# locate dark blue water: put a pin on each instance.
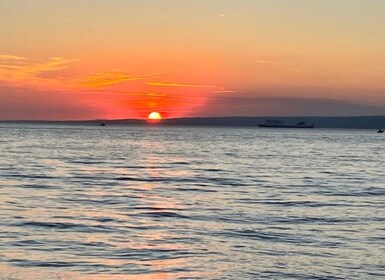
(133, 202)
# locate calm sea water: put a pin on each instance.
(131, 202)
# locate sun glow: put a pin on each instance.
(154, 116)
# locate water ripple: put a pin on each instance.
(145, 203)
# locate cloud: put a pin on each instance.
(223, 91)
(282, 65)
(19, 70)
(297, 70)
(9, 66)
(8, 61)
(110, 78)
(267, 62)
(11, 57)
(48, 75)
(162, 84)
(54, 64)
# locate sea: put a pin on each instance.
(162, 202)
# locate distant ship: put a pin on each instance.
(281, 124)
(380, 131)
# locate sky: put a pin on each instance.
(103, 59)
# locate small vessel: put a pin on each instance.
(281, 124)
(102, 124)
(380, 131)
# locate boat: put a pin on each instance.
(102, 124)
(380, 131)
(281, 124)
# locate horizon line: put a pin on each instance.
(181, 118)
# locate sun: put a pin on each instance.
(154, 116)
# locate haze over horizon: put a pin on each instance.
(100, 59)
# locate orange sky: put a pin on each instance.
(88, 59)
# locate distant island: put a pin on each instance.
(356, 122)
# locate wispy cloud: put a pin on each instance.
(21, 71)
(54, 64)
(111, 77)
(9, 66)
(11, 57)
(282, 65)
(267, 62)
(223, 91)
(19, 67)
(47, 75)
(297, 70)
(163, 84)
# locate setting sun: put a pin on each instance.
(154, 116)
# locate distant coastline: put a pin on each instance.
(353, 122)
